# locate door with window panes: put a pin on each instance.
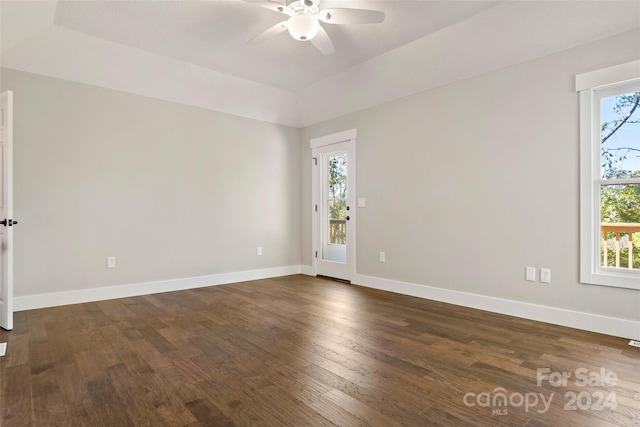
(335, 210)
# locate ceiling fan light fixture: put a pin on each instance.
(303, 26)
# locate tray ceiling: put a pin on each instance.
(196, 52)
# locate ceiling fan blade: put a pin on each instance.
(273, 31)
(351, 16)
(322, 42)
(276, 7)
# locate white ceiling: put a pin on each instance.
(196, 52)
(214, 34)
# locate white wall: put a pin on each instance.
(172, 191)
(468, 183)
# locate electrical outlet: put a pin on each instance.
(259, 250)
(111, 262)
(545, 275)
(530, 274)
(383, 257)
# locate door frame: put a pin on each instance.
(318, 146)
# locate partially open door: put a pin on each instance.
(6, 211)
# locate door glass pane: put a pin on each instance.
(337, 222)
(335, 208)
(620, 226)
(337, 174)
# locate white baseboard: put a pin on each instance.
(307, 270)
(29, 302)
(574, 319)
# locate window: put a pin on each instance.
(610, 176)
(337, 199)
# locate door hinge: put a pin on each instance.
(316, 254)
(316, 208)
(315, 161)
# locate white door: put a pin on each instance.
(334, 209)
(6, 211)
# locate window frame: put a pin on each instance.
(593, 87)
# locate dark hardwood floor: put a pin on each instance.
(302, 351)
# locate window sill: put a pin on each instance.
(612, 278)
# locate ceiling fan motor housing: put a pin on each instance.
(303, 6)
(308, 3)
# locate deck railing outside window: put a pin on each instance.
(337, 231)
(619, 238)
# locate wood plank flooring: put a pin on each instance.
(302, 351)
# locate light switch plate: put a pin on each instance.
(545, 275)
(530, 274)
(362, 202)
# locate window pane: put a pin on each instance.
(620, 226)
(337, 209)
(338, 176)
(337, 231)
(337, 222)
(620, 136)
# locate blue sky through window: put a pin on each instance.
(628, 136)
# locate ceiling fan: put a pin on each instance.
(304, 21)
